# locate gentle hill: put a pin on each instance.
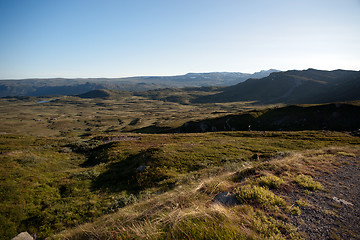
(62, 86)
(335, 117)
(101, 93)
(294, 87)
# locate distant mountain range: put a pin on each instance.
(265, 87)
(62, 86)
(308, 86)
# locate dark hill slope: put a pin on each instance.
(337, 117)
(294, 87)
(100, 93)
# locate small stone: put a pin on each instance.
(141, 168)
(226, 198)
(339, 200)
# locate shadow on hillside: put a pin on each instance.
(119, 176)
(153, 129)
(130, 174)
(334, 117)
(96, 155)
(134, 173)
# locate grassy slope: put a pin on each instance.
(264, 212)
(49, 184)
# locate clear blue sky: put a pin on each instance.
(116, 38)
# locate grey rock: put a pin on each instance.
(339, 200)
(23, 236)
(226, 198)
(141, 168)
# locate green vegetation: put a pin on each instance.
(258, 195)
(188, 211)
(308, 182)
(72, 117)
(303, 203)
(270, 181)
(79, 168)
(49, 184)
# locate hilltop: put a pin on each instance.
(294, 87)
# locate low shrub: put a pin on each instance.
(270, 228)
(308, 182)
(303, 203)
(258, 195)
(270, 181)
(293, 210)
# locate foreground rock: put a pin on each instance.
(23, 236)
(226, 199)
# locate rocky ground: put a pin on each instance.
(333, 213)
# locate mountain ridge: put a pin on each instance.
(293, 87)
(68, 86)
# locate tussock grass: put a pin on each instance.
(179, 220)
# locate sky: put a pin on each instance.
(119, 38)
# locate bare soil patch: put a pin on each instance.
(333, 213)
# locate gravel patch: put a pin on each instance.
(333, 213)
